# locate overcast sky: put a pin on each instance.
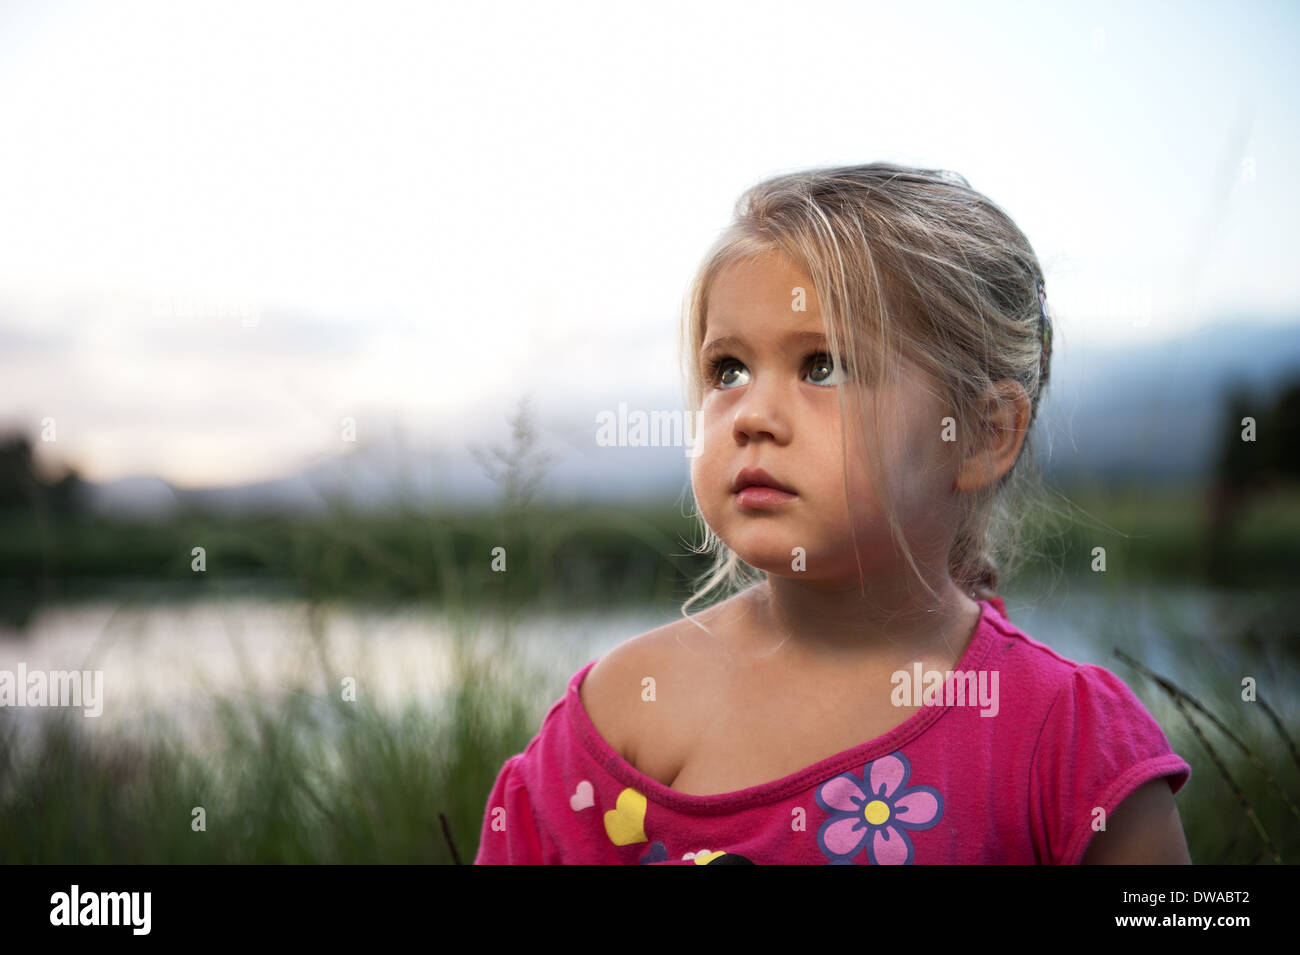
(225, 226)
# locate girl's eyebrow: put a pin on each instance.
(731, 341)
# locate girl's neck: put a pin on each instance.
(842, 625)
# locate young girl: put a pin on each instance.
(866, 348)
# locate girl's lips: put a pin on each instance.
(761, 497)
(757, 476)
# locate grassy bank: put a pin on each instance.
(303, 778)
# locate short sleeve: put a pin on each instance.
(509, 835)
(1097, 745)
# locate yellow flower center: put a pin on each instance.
(876, 812)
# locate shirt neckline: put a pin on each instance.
(992, 620)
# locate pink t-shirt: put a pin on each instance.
(1009, 775)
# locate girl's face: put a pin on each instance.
(771, 403)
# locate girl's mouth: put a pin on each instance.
(761, 497)
(755, 489)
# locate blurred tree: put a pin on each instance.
(18, 481)
(22, 488)
(1245, 469)
(1283, 449)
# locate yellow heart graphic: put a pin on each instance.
(706, 859)
(625, 824)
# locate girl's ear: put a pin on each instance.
(1004, 422)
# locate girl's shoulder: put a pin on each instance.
(648, 696)
(1075, 704)
(616, 686)
(1026, 657)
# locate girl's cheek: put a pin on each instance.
(708, 429)
(700, 464)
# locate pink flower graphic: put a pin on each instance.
(875, 810)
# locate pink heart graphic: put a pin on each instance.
(584, 798)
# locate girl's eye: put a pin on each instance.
(825, 373)
(726, 372)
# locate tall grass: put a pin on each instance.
(1241, 804)
(302, 777)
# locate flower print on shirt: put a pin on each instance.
(875, 811)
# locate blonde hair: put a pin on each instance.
(908, 264)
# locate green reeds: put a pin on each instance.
(298, 776)
(1206, 819)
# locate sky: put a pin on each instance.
(226, 227)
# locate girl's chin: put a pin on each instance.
(789, 555)
(787, 562)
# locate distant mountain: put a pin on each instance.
(1148, 414)
(1157, 413)
(136, 496)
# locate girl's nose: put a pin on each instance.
(762, 413)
